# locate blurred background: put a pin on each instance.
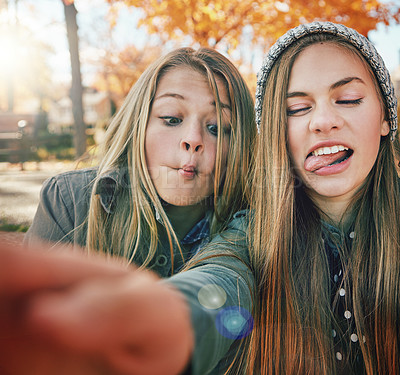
(66, 66)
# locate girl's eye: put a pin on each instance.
(297, 111)
(350, 102)
(213, 129)
(171, 121)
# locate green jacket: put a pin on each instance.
(63, 208)
(218, 286)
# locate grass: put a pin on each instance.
(7, 227)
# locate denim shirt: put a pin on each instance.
(64, 205)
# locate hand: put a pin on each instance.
(23, 270)
(96, 318)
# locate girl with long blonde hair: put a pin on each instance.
(325, 231)
(172, 169)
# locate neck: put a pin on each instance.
(335, 209)
(183, 218)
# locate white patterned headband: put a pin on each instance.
(366, 48)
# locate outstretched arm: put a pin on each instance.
(66, 314)
(219, 289)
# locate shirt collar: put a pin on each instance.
(334, 237)
(108, 185)
(110, 182)
(200, 231)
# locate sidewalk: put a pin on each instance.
(19, 190)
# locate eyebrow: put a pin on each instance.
(180, 97)
(337, 84)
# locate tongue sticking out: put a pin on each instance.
(313, 163)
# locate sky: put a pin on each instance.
(48, 24)
(387, 42)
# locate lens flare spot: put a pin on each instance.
(212, 296)
(234, 322)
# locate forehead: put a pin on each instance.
(188, 82)
(185, 74)
(326, 62)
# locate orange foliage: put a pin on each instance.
(121, 70)
(208, 22)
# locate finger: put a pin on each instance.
(90, 316)
(160, 339)
(23, 270)
(136, 324)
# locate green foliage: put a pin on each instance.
(8, 227)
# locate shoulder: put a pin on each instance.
(63, 207)
(237, 230)
(70, 189)
(71, 182)
(232, 242)
(77, 178)
(240, 221)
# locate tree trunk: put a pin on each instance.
(76, 86)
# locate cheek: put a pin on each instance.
(371, 134)
(148, 147)
(152, 151)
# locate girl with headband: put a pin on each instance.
(325, 238)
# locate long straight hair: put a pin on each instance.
(133, 224)
(293, 314)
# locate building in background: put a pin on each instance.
(97, 111)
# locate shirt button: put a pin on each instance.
(335, 278)
(333, 333)
(354, 337)
(339, 356)
(161, 260)
(347, 314)
(342, 292)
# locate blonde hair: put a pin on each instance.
(293, 316)
(133, 224)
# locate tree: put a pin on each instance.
(120, 70)
(76, 92)
(215, 22)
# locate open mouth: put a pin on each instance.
(327, 157)
(344, 157)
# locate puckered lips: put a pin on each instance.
(327, 159)
(188, 171)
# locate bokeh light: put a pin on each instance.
(212, 296)
(234, 322)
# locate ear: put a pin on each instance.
(385, 128)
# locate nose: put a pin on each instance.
(325, 119)
(192, 139)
